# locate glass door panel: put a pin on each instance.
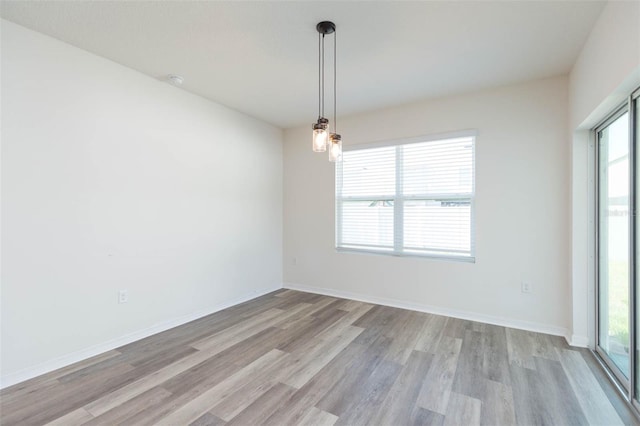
(613, 244)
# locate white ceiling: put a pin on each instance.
(261, 57)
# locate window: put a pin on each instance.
(406, 198)
(617, 245)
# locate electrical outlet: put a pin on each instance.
(123, 296)
(294, 261)
(526, 287)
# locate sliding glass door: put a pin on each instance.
(613, 254)
(618, 195)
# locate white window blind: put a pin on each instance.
(408, 198)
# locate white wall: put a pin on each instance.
(608, 66)
(113, 180)
(605, 73)
(522, 211)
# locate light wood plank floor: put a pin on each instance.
(298, 358)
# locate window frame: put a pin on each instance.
(398, 199)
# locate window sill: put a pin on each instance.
(458, 259)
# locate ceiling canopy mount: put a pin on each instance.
(326, 27)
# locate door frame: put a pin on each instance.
(615, 370)
(626, 386)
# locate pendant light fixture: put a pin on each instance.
(322, 137)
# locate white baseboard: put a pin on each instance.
(577, 340)
(471, 316)
(81, 355)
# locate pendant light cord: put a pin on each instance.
(322, 74)
(319, 79)
(335, 81)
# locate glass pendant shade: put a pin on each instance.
(335, 148)
(320, 137)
